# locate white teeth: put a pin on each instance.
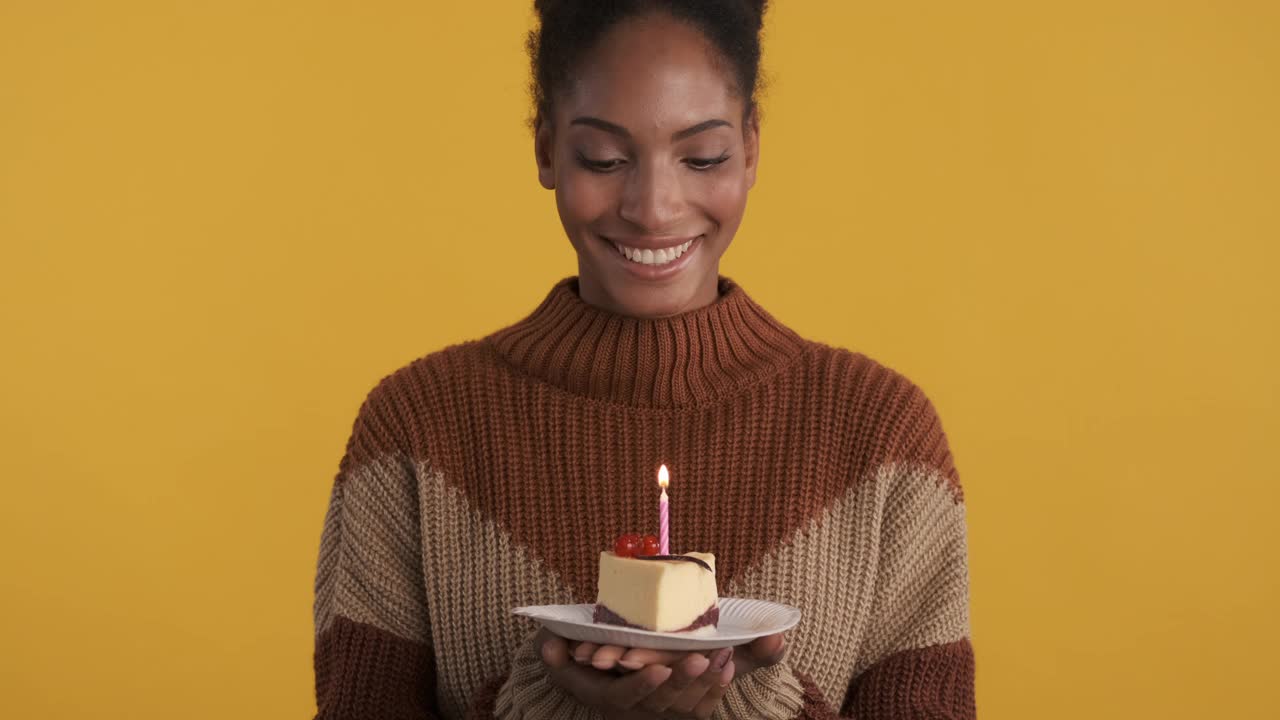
(647, 256)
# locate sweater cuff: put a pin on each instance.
(528, 694)
(768, 693)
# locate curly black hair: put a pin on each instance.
(567, 29)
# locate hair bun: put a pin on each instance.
(545, 7)
(542, 7)
(567, 29)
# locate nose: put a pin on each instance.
(652, 198)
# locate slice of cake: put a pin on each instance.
(666, 593)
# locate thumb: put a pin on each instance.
(769, 649)
(553, 649)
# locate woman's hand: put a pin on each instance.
(761, 652)
(688, 684)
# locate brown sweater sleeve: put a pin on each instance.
(373, 657)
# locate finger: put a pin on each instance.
(582, 654)
(553, 649)
(708, 681)
(683, 674)
(606, 657)
(761, 652)
(711, 700)
(595, 688)
(589, 686)
(639, 657)
(768, 650)
(631, 690)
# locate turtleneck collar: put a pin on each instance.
(679, 360)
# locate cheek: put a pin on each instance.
(725, 198)
(583, 196)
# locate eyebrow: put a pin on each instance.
(620, 131)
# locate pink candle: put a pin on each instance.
(664, 521)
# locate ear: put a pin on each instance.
(543, 152)
(751, 145)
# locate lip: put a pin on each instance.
(651, 243)
(654, 272)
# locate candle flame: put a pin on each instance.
(663, 478)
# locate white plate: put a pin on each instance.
(741, 621)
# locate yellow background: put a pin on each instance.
(223, 222)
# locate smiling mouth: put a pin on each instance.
(647, 256)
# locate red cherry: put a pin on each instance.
(649, 546)
(627, 546)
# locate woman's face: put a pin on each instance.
(648, 156)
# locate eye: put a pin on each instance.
(600, 166)
(706, 163)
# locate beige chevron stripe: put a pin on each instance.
(904, 529)
(472, 622)
(923, 584)
(370, 564)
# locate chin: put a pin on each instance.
(627, 294)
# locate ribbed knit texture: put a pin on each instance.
(490, 474)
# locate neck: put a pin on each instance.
(653, 304)
(690, 358)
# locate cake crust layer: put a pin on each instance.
(603, 615)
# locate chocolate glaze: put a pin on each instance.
(605, 616)
(685, 558)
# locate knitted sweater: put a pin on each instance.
(490, 474)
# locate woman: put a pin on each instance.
(490, 474)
